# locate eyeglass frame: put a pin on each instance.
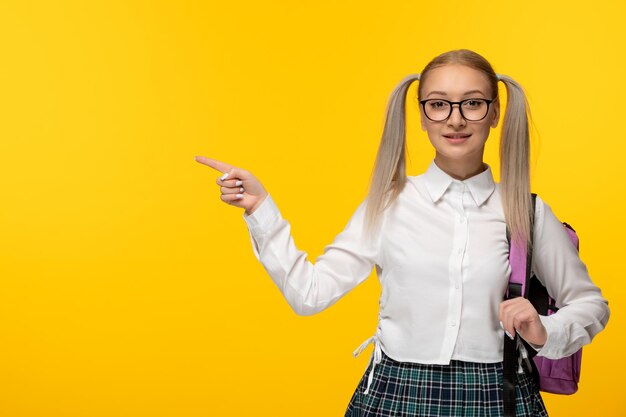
(452, 103)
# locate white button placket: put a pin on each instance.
(455, 271)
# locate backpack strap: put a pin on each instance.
(520, 259)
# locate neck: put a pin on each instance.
(460, 170)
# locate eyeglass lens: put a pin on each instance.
(439, 110)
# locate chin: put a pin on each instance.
(458, 154)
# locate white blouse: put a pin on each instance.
(442, 260)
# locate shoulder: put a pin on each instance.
(545, 221)
(542, 209)
(415, 183)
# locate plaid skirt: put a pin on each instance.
(465, 389)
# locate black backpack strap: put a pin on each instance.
(510, 363)
(509, 367)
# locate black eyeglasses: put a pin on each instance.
(472, 109)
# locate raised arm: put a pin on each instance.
(308, 287)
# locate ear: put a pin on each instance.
(496, 113)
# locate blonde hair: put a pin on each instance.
(389, 174)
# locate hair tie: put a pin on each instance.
(417, 76)
(499, 77)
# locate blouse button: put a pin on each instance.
(453, 323)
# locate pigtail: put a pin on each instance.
(515, 163)
(389, 174)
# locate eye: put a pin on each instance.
(474, 103)
(437, 104)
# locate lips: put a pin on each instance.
(457, 135)
(457, 138)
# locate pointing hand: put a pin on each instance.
(239, 187)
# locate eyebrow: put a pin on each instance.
(443, 93)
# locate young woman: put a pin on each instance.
(439, 244)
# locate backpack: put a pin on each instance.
(556, 376)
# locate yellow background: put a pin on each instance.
(127, 288)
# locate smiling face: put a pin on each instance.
(459, 143)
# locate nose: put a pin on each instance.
(456, 119)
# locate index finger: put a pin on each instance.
(214, 163)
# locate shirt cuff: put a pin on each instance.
(556, 339)
(263, 217)
(534, 346)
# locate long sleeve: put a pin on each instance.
(583, 312)
(310, 288)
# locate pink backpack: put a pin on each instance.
(556, 376)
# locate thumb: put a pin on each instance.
(238, 173)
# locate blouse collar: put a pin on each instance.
(481, 186)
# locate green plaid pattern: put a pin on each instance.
(461, 389)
